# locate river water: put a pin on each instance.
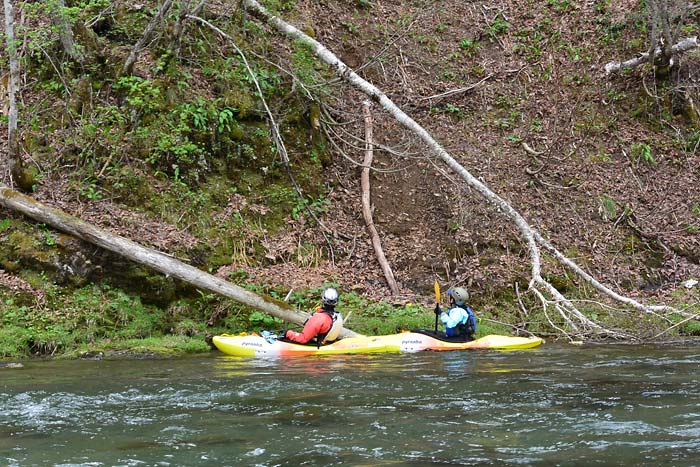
(553, 405)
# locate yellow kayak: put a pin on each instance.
(254, 345)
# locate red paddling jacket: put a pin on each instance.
(319, 323)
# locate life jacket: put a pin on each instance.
(337, 326)
(468, 328)
(335, 329)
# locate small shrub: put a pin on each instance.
(261, 320)
(469, 46)
(498, 26)
(607, 208)
(642, 152)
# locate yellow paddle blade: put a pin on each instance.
(437, 291)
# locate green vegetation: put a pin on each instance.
(497, 26)
(642, 152)
(607, 208)
(559, 5)
(469, 46)
(99, 318)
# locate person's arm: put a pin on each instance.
(311, 329)
(471, 321)
(448, 319)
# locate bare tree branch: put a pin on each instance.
(682, 46)
(145, 37)
(452, 92)
(366, 204)
(576, 321)
(181, 24)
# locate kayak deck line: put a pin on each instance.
(254, 345)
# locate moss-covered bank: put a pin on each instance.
(98, 319)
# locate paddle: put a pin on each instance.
(436, 286)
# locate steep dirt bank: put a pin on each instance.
(603, 169)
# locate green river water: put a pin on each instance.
(553, 405)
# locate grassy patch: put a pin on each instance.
(162, 346)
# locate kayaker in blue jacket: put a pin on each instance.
(459, 320)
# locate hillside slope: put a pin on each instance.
(179, 156)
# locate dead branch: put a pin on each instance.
(682, 46)
(523, 309)
(650, 309)
(576, 322)
(328, 126)
(529, 150)
(517, 328)
(145, 37)
(689, 318)
(366, 204)
(456, 91)
(181, 24)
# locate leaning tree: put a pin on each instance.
(576, 323)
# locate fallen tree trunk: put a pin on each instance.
(578, 323)
(161, 262)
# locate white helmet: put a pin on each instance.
(459, 295)
(329, 296)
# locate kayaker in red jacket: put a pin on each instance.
(320, 322)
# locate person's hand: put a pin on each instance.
(437, 309)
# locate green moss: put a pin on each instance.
(13, 341)
(23, 242)
(242, 100)
(130, 348)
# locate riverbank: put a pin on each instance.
(98, 321)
